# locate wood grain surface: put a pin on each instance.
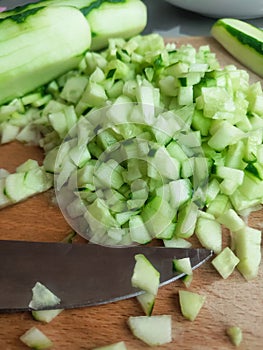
(228, 302)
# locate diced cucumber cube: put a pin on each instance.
(180, 192)
(246, 244)
(46, 315)
(191, 304)
(231, 220)
(146, 301)
(36, 339)
(209, 233)
(225, 262)
(226, 135)
(186, 221)
(219, 205)
(153, 330)
(183, 265)
(42, 297)
(157, 215)
(175, 242)
(138, 230)
(167, 233)
(145, 276)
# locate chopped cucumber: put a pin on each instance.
(145, 276)
(190, 303)
(153, 330)
(147, 301)
(23, 184)
(36, 339)
(209, 233)
(136, 154)
(116, 346)
(235, 334)
(45, 315)
(225, 262)
(231, 220)
(187, 280)
(183, 265)
(242, 40)
(42, 297)
(247, 247)
(175, 242)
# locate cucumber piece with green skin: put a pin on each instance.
(107, 18)
(243, 40)
(147, 301)
(31, 55)
(145, 276)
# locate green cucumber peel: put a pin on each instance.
(244, 32)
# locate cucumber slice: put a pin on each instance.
(191, 304)
(243, 40)
(36, 339)
(225, 262)
(153, 330)
(145, 276)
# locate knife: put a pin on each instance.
(80, 274)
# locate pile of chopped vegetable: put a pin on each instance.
(147, 140)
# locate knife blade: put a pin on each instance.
(80, 274)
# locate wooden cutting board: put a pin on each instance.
(229, 302)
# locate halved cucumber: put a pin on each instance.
(243, 40)
(31, 55)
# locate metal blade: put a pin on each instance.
(80, 274)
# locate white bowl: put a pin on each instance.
(242, 9)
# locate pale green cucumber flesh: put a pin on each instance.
(153, 330)
(36, 339)
(191, 304)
